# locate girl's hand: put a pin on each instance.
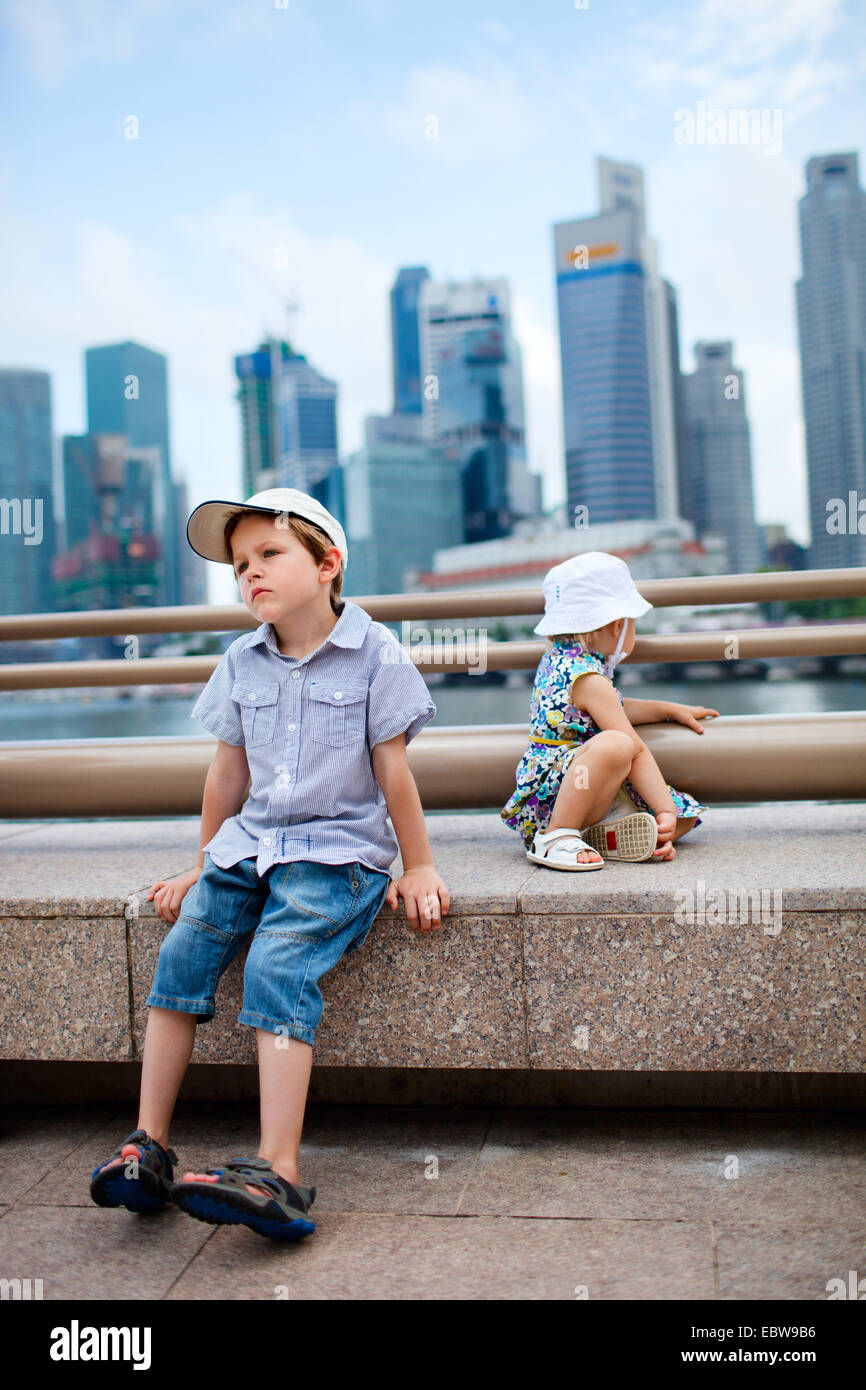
(168, 895)
(422, 890)
(667, 824)
(688, 714)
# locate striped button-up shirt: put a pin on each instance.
(308, 725)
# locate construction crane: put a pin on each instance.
(290, 306)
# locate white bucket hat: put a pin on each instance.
(587, 592)
(206, 526)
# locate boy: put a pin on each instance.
(314, 708)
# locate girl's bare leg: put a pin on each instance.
(591, 781)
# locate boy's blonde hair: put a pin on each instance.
(312, 538)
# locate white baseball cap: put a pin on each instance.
(587, 592)
(205, 529)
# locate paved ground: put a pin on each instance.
(458, 1203)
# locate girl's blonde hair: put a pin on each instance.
(586, 639)
(312, 538)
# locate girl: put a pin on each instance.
(581, 726)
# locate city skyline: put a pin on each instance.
(145, 250)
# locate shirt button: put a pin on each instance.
(266, 840)
(293, 726)
(252, 695)
(338, 694)
(295, 675)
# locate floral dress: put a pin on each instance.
(556, 729)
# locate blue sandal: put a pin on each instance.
(280, 1212)
(147, 1188)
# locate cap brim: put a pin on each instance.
(205, 529)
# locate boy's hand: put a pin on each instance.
(422, 890)
(667, 824)
(687, 714)
(169, 894)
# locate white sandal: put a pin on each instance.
(558, 849)
(628, 835)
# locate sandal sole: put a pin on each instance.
(221, 1208)
(631, 839)
(109, 1187)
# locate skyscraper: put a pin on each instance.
(405, 341)
(27, 530)
(306, 404)
(256, 373)
(618, 409)
(403, 502)
(127, 394)
(684, 504)
(473, 427)
(831, 319)
(114, 502)
(289, 421)
(718, 464)
(472, 398)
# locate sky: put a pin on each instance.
(283, 158)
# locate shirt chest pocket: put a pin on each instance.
(258, 701)
(338, 712)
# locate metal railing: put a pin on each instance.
(738, 759)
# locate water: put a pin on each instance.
(80, 715)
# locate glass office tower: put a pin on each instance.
(405, 342)
(831, 319)
(127, 394)
(614, 327)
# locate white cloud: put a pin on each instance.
(476, 113)
(743, 53)
(61, 35)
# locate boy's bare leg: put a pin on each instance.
(284, 1079)
(168, 1044)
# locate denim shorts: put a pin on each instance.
(303, 917)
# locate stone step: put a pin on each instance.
(745, 954)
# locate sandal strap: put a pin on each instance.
(259, 1170)
(557, 837)
(146, 1144)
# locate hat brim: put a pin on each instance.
(205, 530)
(572, 620)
